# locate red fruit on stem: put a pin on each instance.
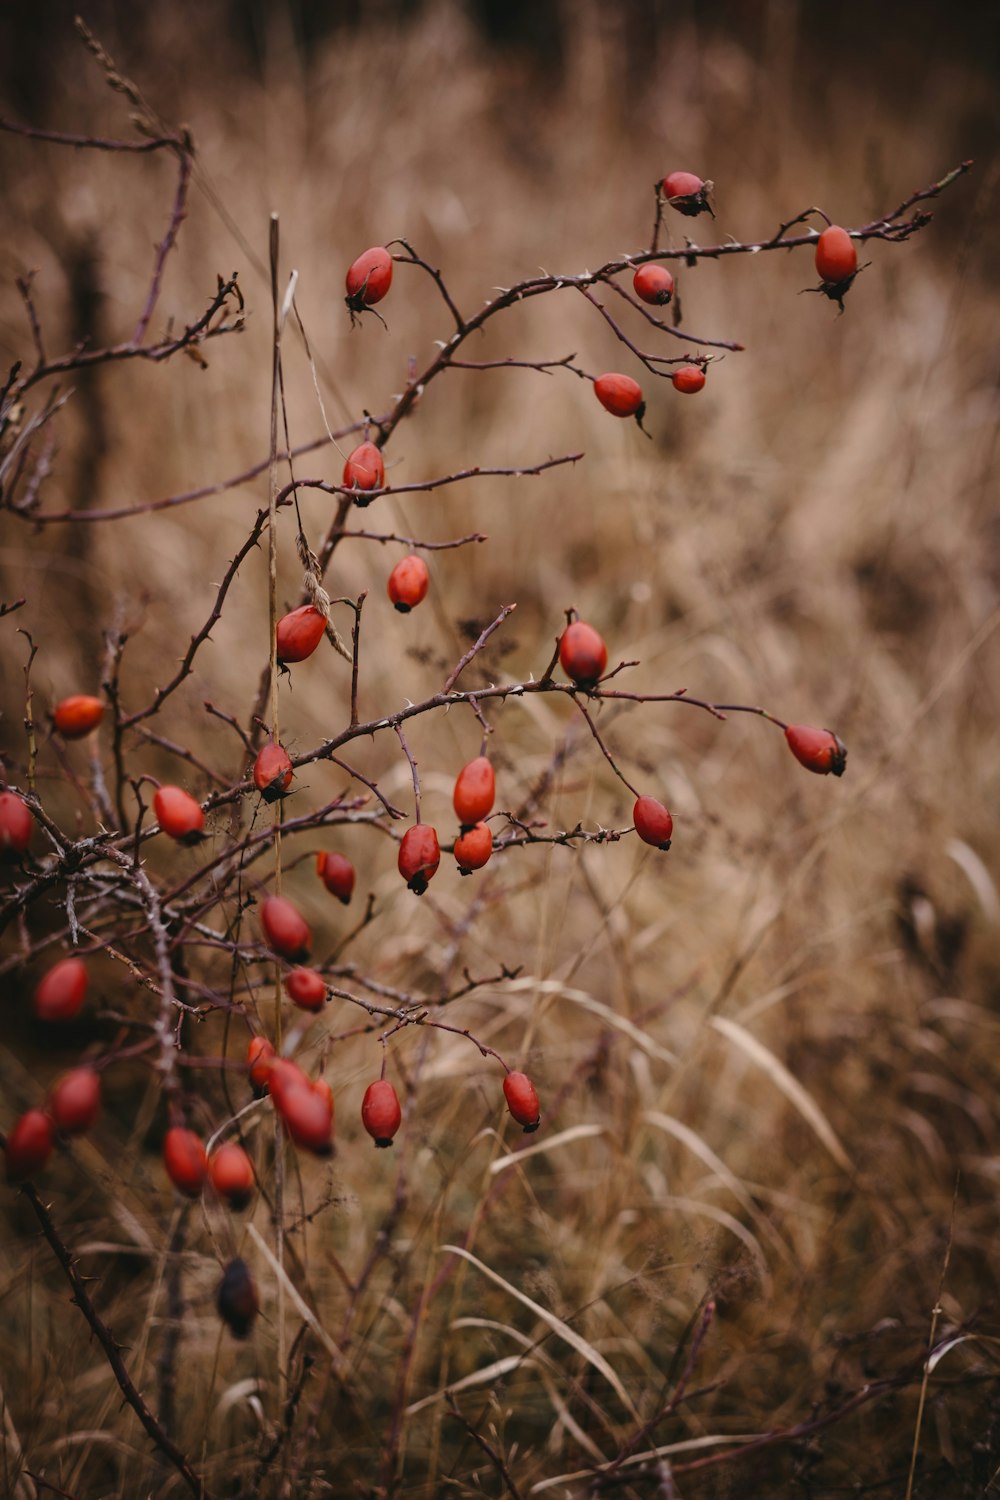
(60, 993)
(260, 1060)
(232, 1174)
(620, 395)
(475, 791)
(408, 583)
(369, 278)
(16, 826)
(272, 772)
(29, 1145)
(836, 255)
(582, 653)
(337, 874)
(307, 988)
(285, 928)
(419, 856)
(653, 823)
(299, 633)
(178, 814)
(473, 848)
(688, 379)
(237, 1299)
(522, 1100)
(308, 1116)
(284, 1076)
(78, 715)
(185, 1161)
(364, 470)
(654, 284)
(818, 750)
(687, 193)
(75, 1101)
(380, 1112)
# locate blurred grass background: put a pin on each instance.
(816, 532)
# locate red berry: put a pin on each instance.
(337, 874)
(307, 1113)
(419, 856)
(260, 1059)
(232, 1174)
(185, 1161)
(59, 994)
(29, 1145)
(178, 814)
(836, 255)
(16, 826)
(408, 583)
(299, 633)
(237, 1299)
(582, 653)
(76, 716)
(818, 750)
(369, 278)
(272, 772)
(687, 193)
(75, 1101)
(522, 1101)
(688, 379)
(364, 470)
(380, 1112)
(654, 284)
(285, 928)
(473, 848)
(283, 1077)
(620, 395)
(307, 988)
(475, 791)
(653, 823)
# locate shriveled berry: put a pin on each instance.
(285, 928)
(260, 1059)
(688, 379)
(475, 791)
(76, 716)
(307, 988)
(380, 1112)
(237, 1299)
(178, 814)
(522, 1100)
(419, 856)
(473, 848)
(272, 772)
(653, 823)
(369, 278)
(337, 874)
(687, 193)
(29, 1145)
(620, 395)
(308, 1116)
(299, 633)
(582, 653)
(231, 1174)
(60, 993)
(654, 284)
(75, 1101)
(818, 750)
(16, 826)
(364, 470)
(836, 255)
(408, 583)
(185, 1161)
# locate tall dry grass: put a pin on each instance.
(767, 1058)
